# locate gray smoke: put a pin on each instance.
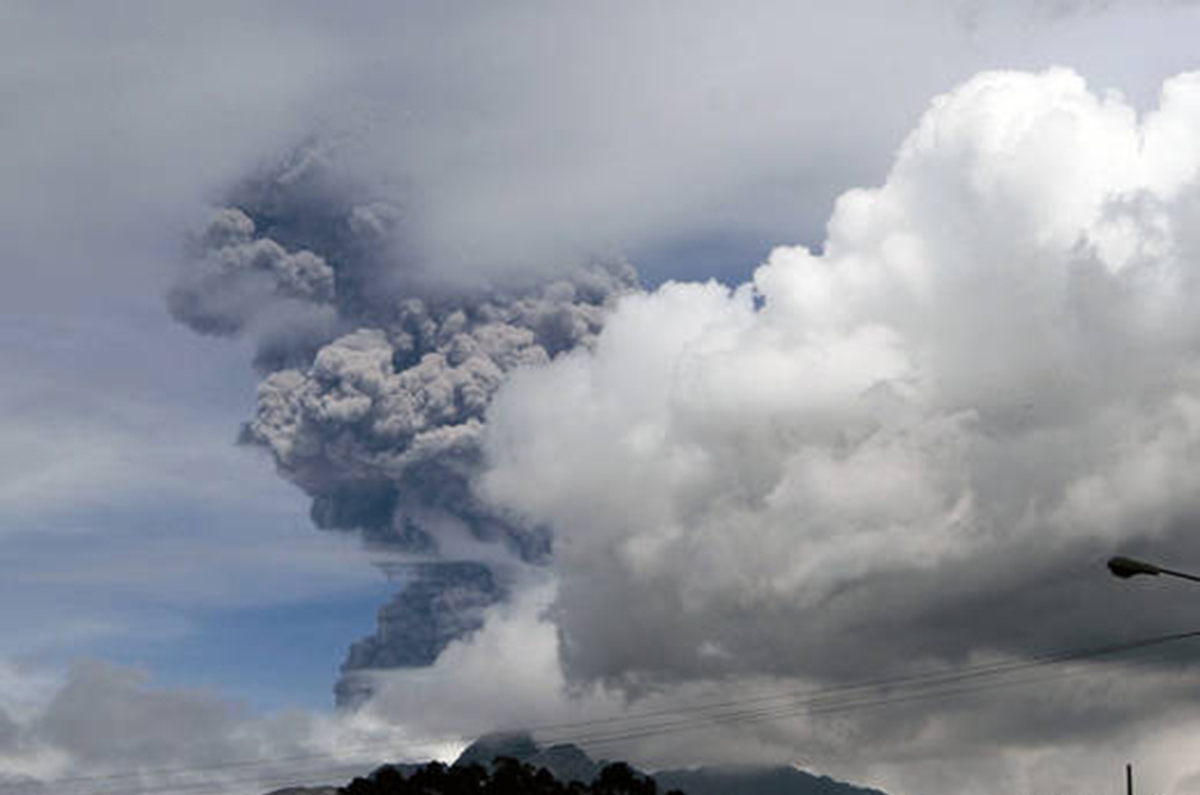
(237, 280)
(441, 603)
(377, 375)
(239, 274)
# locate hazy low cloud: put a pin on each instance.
(105, 728)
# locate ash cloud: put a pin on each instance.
(441, 603)
(237, 276)
(376, 377)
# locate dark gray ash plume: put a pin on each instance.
(441, 602)
(377, 374)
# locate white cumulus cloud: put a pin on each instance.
(894, 448)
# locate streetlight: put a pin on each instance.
(1125, 568)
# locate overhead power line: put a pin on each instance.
(926, 677)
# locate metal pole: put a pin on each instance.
(1128, 779)
(1181, 575)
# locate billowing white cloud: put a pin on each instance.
(899, 449)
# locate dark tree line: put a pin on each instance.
(506, 777)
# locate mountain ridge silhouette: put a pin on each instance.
(571, 765)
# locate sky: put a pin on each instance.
(381, 375)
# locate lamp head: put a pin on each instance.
(1125, 568)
